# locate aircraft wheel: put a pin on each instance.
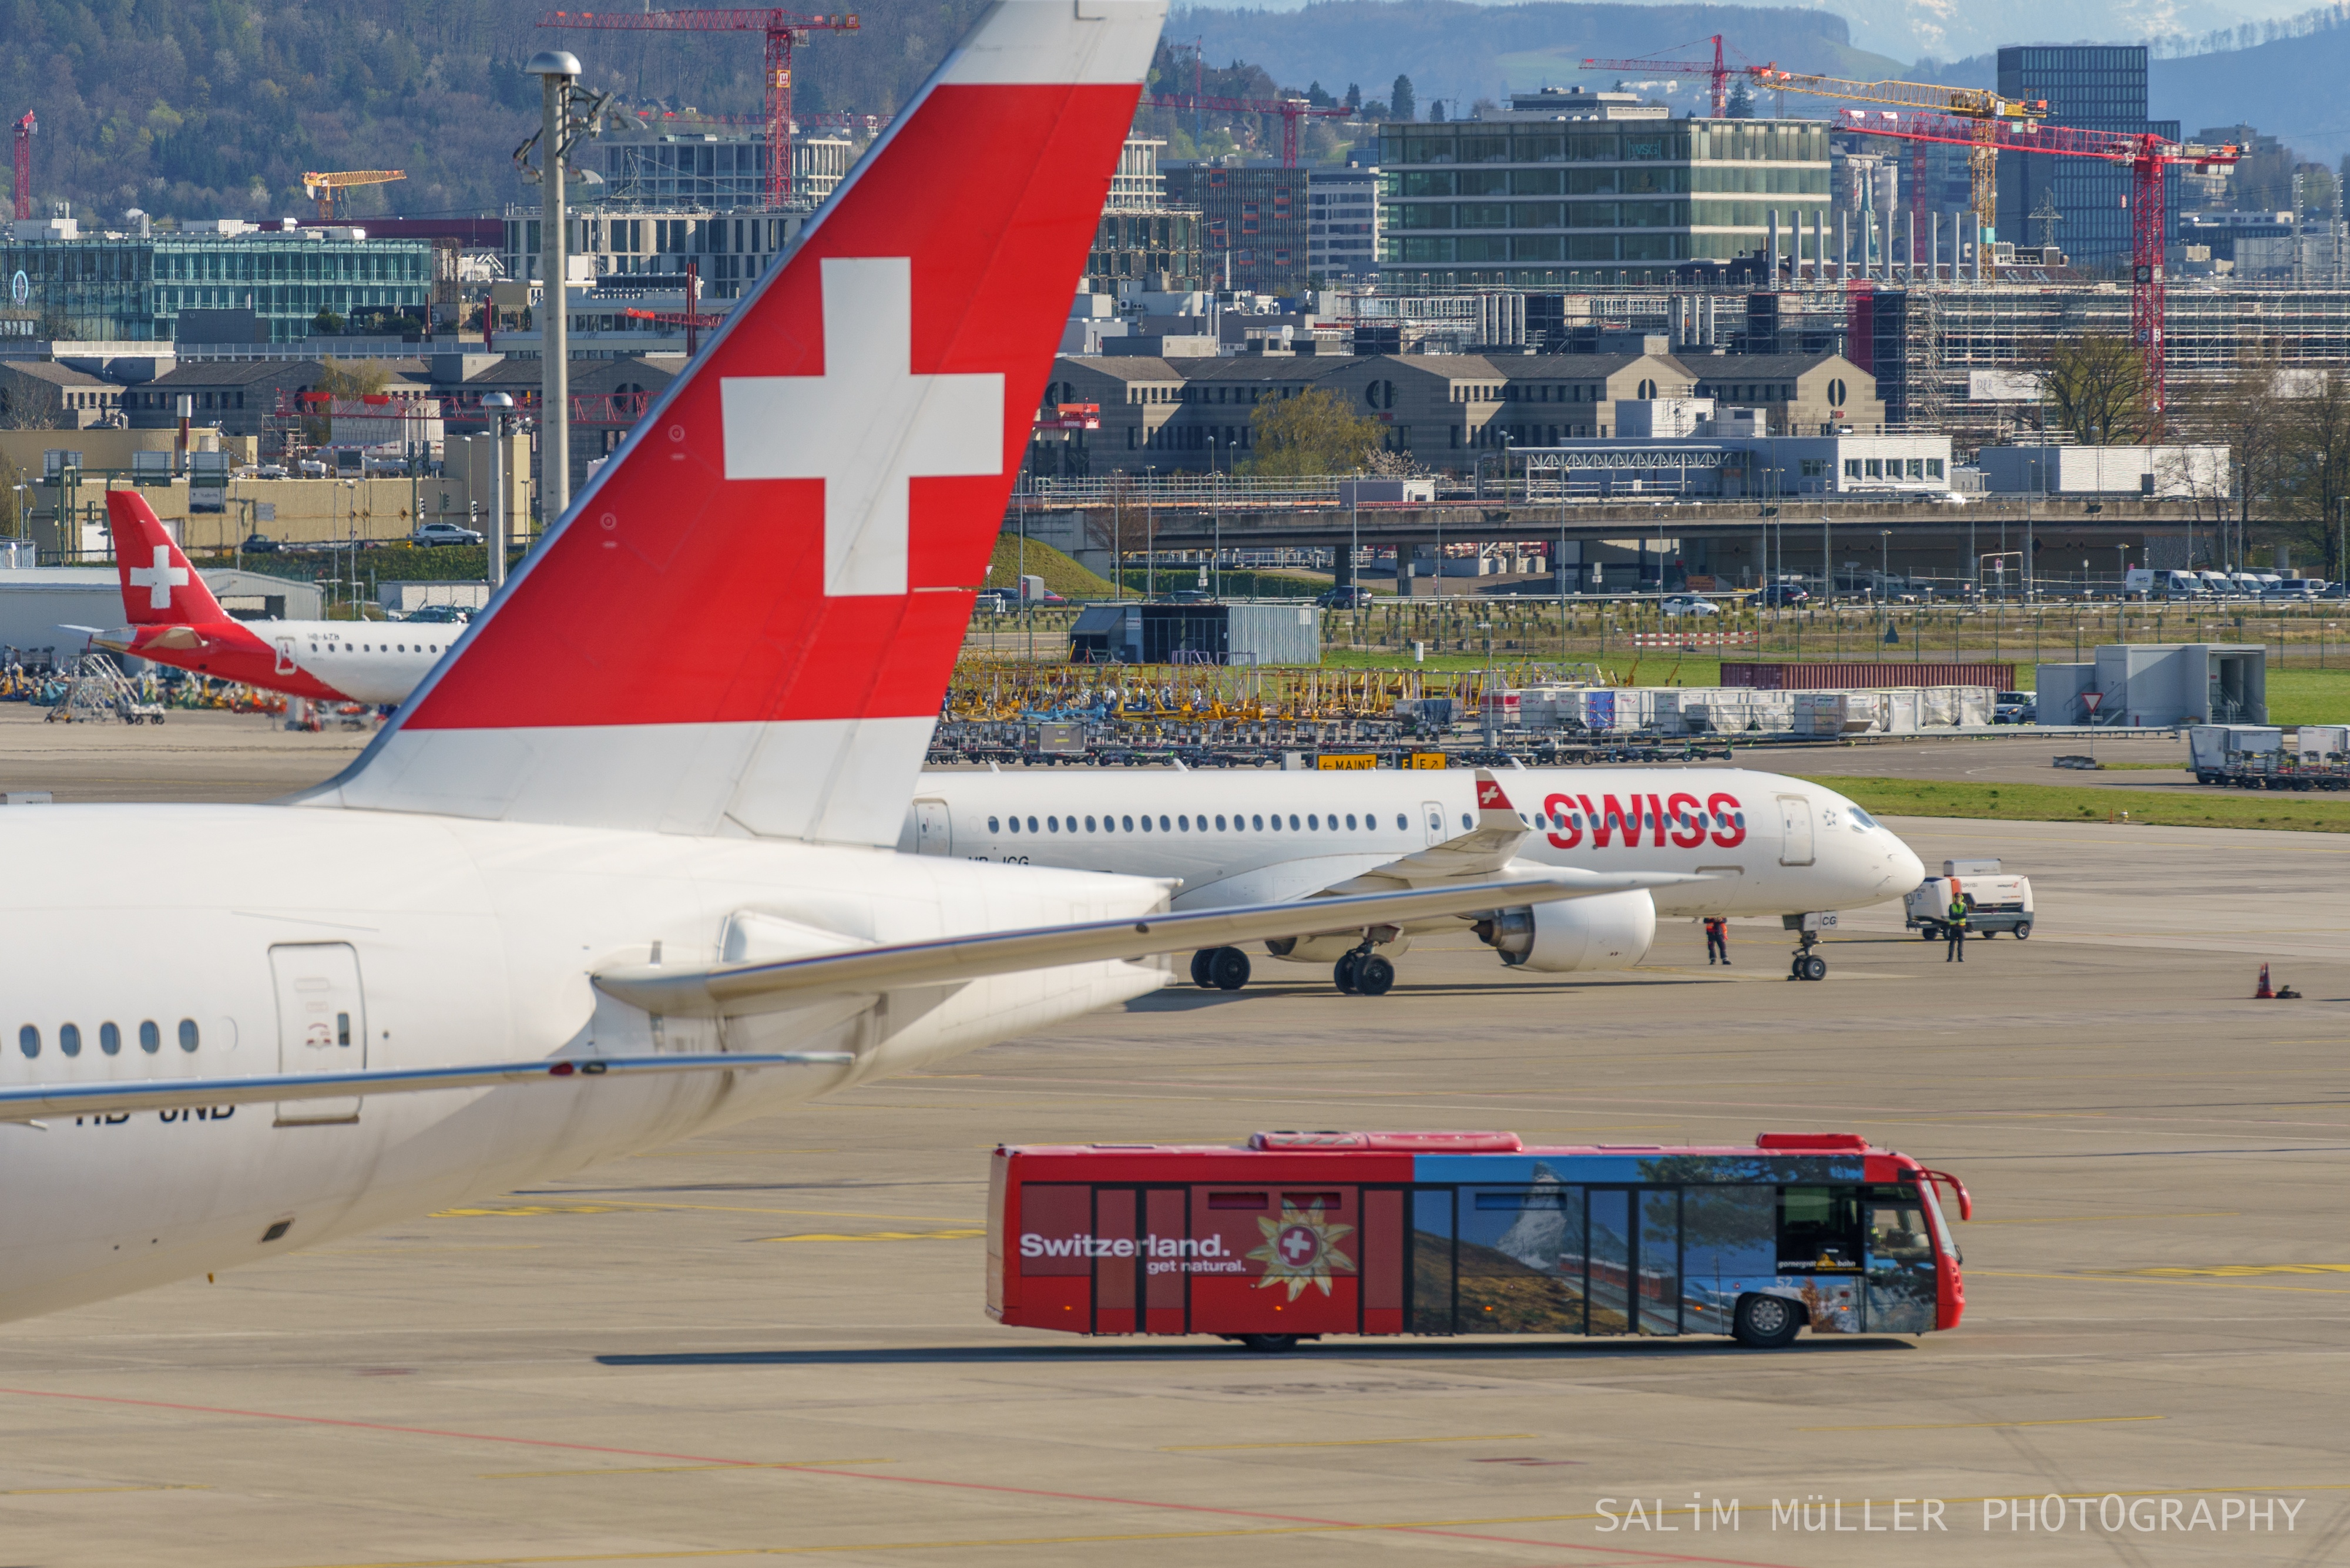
(1374, 975)
(1227, 968)
(1201, 975)
(1812, 967)
(1342, 974)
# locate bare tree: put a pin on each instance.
(2250, 413)
(2098, 390)
(2319, 462)
(28, 403)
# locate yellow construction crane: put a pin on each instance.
(324, 187)
(1987, 110)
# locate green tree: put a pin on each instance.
(326, 321)
(1741, 103)
(1318, 432)
(1401, 101)
(2098, 390)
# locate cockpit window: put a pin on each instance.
(1861, 820)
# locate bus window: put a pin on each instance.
(1728, 1232)
(1901, 1284)
(1660, 1262)
(1819, 1227)
(1519, 1246)
(1432, 1261)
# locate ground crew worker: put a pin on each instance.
(1954, 927)
(1717, 940)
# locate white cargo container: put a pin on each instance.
(2319, 745)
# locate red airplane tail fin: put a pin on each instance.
(746, 621)
(159, 587)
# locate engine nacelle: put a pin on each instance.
(1610, 930)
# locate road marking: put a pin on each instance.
(1972, 1426)
(675, 1470)
(2238, 1271)
(1349, 1443)
(881, 1236)
(2088, 1218)
(523, 1211)
(619, 1205)
(2144, 1279)
(76, 1491)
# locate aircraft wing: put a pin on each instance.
(25, 1102)
(741, 989)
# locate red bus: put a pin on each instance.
(1302, 1234)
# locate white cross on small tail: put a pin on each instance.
(867, 426)
(159, 579)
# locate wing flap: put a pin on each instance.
(25, 1102)
(739, 989)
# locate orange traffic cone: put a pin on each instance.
(2264, 993)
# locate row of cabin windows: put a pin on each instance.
(1313, 823)
(380, 647)
(110, 1038)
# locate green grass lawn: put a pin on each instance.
(2309, 696)
(2056, 802)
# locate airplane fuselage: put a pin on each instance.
(376, 662)
(334, 940)
(1766, 843)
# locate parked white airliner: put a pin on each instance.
(1749, 844)
(585, 894)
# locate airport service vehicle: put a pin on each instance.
(2255, 756)
(443, 533)
(1742, 844)
(1303, 1234)
(1995, 901)
(569, 905)
(175, 621)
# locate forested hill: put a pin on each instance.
(215, 107)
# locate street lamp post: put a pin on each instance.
(1150, 536)
(498, 405)
(1216, 509)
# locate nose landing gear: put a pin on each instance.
(1807, 965)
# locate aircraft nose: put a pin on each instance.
(1903, 870)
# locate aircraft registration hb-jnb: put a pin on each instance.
(1742, 844)
(175, 619)
(582, 896)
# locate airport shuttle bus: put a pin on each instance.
(1302, 1234)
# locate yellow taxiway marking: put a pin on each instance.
(1349, 1443)
(674, 1469)
(1971, 1426)
(2238, 1271)
(963, 1235)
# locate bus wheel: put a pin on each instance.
(1200, 972)
(1227, 968)
(1374, 975)
(1268, 1343)
(1766, 1323)
(1342, 974)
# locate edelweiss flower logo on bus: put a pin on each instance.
(1302, 1248)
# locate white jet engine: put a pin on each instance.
(1612, 930)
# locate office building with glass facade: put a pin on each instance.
(1568, 189)
(129, 286)
(2083, 204)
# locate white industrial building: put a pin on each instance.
(1702, 447)
(2151, 685)
(2166, 472)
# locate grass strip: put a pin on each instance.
(2055, 802)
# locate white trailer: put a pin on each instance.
(1995, 901)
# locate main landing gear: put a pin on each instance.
(1364, 972)
(1220, 969)
(1807, 965)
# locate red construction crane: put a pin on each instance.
(1717, 72)
(24, 129)
(2148, 156)
(783, 31)
(1291, 109)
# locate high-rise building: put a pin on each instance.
(1144, 241)
(2091, 86)
(1342, 223)
(1254, 219)
(1567, 188)
(645, 170)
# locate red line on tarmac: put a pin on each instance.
(1621, 1554)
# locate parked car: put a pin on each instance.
(1777, 596)
(443, 533)
(2015, 708)
(441, 615)
(1354, 597)
(997, 600)
(271, 470)
(260, 544)
(1688, 603)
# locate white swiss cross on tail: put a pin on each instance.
(159, 579)
(866, 427)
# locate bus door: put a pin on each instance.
(1900, 1264)
(1633, 1259)
(1166, 1295)
(1432, 1261)
(1117, 1258)
(1140, 1282)
(1658, 1251)
(1608, 1259)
